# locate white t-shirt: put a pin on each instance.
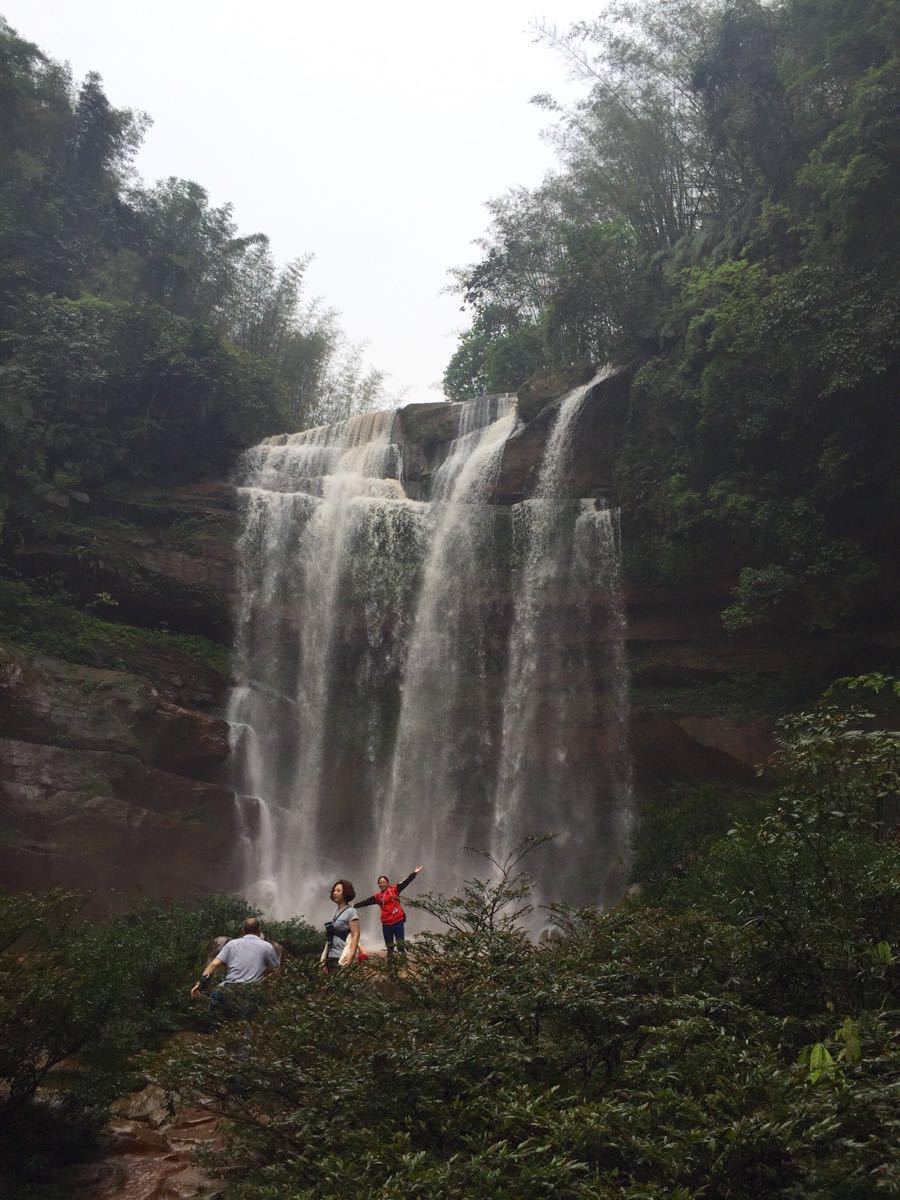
(247, 958)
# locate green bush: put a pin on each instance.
(677, 831)
(619, 1061)
(298, 937)
(79, 999)
(739, 1042)
(817, 881)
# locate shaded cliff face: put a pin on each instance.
(111, 775)
(114, 769)
(102, 784)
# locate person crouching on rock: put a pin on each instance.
(393, 918)
(248, 959)
(342, 931)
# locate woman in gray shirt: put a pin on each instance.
(343, 929)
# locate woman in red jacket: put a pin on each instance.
(393, 918)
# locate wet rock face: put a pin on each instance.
(149, 1153)
(49, 702)
(547, 386)
(101, 785)
(591, 469)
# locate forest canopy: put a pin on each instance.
(142, 336)
(723, 217)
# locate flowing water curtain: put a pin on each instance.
(440, 791)
(554, 773)
(321, 509)
(263, 703)
(598, 570)
(332, 619)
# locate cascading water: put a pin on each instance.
(553, 776)
(440, 781)
(402, 694)
(598, 562)
(323, 515)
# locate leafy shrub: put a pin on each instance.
(297, 936)
(817, 879)
(605, 1065)
(678, 831)
(738, 1042)
(78, 1000)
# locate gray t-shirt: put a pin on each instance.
(342, 918)
(247, 958)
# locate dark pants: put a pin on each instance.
(395, 935)
(233, 1003)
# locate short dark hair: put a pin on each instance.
(349, 889)
(251, 925)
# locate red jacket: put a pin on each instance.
(388, 901)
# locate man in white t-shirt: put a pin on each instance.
(248, 959)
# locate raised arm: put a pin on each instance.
(405, 882)
(364, 903)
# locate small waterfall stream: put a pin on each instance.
(440, 779)
(550, 779)
(416, 677)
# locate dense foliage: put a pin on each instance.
(724, 216)
(80, 999)
(737, 1039)
(141, 337)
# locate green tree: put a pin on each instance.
(64, 155)
(724, 218)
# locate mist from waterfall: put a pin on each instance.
(416, 677)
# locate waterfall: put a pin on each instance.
(417, 677)
(323, 517)
(440, 778)
(564, 678)
(598, 569)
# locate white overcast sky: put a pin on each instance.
(369, 134)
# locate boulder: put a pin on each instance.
(548, 385)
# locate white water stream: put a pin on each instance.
(553, 774)
(406, 688)
(441, 775)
